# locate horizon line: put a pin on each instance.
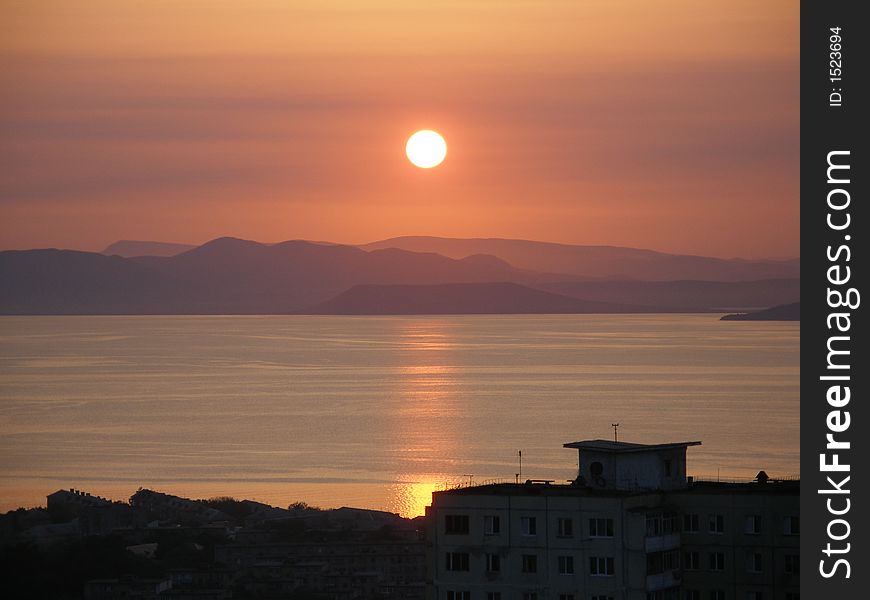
(400, 237)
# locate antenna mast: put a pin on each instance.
(615, 427)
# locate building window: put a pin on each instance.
(491, 525)
(566, 596)
(601, 597)
(792, 564)
(754, 596)
(692, 561)
(493, 596)
(529, 525)
(692, 595)
(456, 524)
(566, 565)
(717, 595)
(659, 562)
(600, 527)
(717, 561)
(653, 525)
(753, 562)
(793, 596)
(601, 566)
(456, 561)
(661, 524)
(493, 563)
(792, 526)
(530, 563)
(458, 595)
(565, 528)
(596, 469)
(530, 595)
(753, 524)
(717, 524)
(691, 523)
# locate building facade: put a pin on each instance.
(630, 526)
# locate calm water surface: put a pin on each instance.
(378, 411)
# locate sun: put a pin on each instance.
(426, 149)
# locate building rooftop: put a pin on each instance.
(572, 489)
(78, 497)
(623, 447)
(530, 488)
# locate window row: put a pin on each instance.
(460, 525)
(656, 524)
(671, 594)
(598, 565)
(665, 523)
(466, 595)
(752, 524)
(720, 595)
(754, 562)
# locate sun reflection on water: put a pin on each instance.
(411, 499)
(427, 405)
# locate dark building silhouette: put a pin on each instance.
(631, 526)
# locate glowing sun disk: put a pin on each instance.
(426, 149)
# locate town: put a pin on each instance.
(631, 524)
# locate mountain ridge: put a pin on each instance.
(131, 248)
(600, 262)
(235, 276)
(462, 298)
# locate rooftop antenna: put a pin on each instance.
(520, 454)
(470, 478)
(615, 427)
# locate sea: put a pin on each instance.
(379, 412)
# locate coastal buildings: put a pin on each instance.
(158, 505)
(74, 500)
(630, 526)
(161, 546)
(378, 566)
(86, 514)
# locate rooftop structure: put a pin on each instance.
(615, 465)
(74, 498)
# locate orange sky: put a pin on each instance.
(671, 125)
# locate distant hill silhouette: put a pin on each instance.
(599, 262)
(226, 275)
(784, 312)
(460, 298)
(71, 282)
(245, 276)
(686, 295)
(234, 276)
(130, 248)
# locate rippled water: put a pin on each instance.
(378, 411)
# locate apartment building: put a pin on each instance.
(630, 526)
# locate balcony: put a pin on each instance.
(663, 581)
(660, 543)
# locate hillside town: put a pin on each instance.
(630, 525)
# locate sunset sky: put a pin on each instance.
(671, 125)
